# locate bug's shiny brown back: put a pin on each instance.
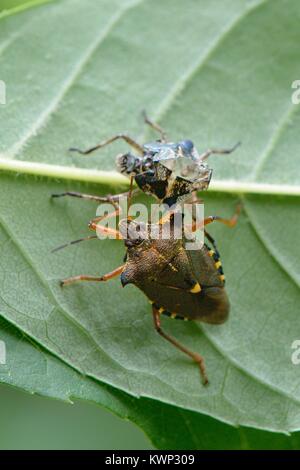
(178, 282)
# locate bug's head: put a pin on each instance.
(127, 163)
(140, 238)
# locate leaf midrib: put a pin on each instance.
(56, 171)
(113, 178)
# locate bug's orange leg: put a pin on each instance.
(229, 222)
(155, 126)
(109, 215)
(106, 230)
(94, 223)
(96, 226)
(194, 200)
(166, 218)
(209, 152)
(116, 234)
(130, 194)
(105, 277)
(125, 137)
(215, 218)
(196, 357)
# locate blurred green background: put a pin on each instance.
(33, 422)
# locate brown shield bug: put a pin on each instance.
(180, 283)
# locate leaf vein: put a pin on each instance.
(67, 84)
(186, 78)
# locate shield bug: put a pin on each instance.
(182, 284)
(167, 170)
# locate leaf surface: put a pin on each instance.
(227, 79)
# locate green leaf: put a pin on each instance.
(46, 375)
(226, 79)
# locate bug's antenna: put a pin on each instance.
(73, 242)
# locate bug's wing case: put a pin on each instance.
(203, 267)
(213, 298)
(166, 275)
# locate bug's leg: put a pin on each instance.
(209, 152)
(215, 254)
(212, 241)
(113, 199)
(229, 222)
(169, 217)
(94, 225)
(130, 193)
(194, 199)
(125, 137)
(95, 221)
(74, 242)
(105, 277)
(155, 126)
(215, 218)
(89, 197)
(196, 357)
(97, 227)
